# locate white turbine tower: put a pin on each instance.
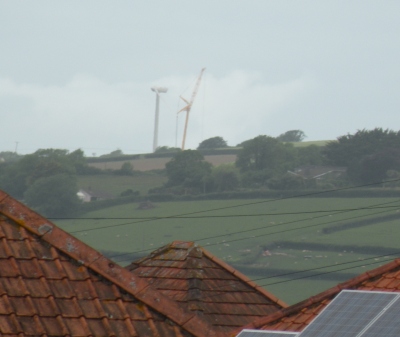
(158, 91)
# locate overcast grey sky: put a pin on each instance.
(77, 74)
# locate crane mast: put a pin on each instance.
(189, 106)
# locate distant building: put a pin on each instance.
(319, 172)
(90, 195)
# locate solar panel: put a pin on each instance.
(387, 324)
(266, 333)
(349, 314)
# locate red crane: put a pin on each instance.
(189, 106)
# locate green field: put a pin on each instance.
(261, 238)
(114, 184)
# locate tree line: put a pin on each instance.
(47, 179)
(368, 156)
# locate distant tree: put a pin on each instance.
(115, 153)
(53, 196)
(352, 148)
(8, 157)
(78, 160)
(309, 155)
(129, 192)
(167, 149)
(125, 170)
(17, 177)
(263, 152)
(187, 168)
(374, 168)
(212, 143)
(393, 179)
(244, 143)
(287, 182)
(292, 136)
(225, 178)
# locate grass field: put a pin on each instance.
(114, 184)
(263, 239)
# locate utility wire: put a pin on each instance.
(236, 206)
(259, 228)
(312, 269)
(308, 270)
(225, 216)
(325, 273)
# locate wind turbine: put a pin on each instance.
(158, 91)
(189, 106)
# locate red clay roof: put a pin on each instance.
(51, 284)
(298, 316)
(202, 283)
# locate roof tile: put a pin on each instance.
(69, 307)
(38, 287)
(53, 284)
(14, 286)
(23, 306)
(31, 325)
(21, 249)
(8, 268)
(29, 268)
(61, 288)
(45, 306)
(205, 285)
(5, 306)
(53, 326)
(9, 324)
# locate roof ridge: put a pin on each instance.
(94, 260)
(243, 277)
(323, 295)
(191, 244)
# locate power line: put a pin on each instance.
(223, 216)
(329, 272)
(234, 206)
(260, 228)
(309, 270)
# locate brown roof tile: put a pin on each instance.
(53, 284)
(204, 284)
(298, 316)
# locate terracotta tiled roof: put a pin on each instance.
(298, 316)
(51, 284)
(202, 283)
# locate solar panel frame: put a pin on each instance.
(266, 333)
(348, 314)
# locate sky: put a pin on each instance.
(77, 74)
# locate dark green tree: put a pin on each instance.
(225, 178)
(292, 136)
(125, 170)
(309, 155)
(352, 148)
(53, 196)
(287, 182)
(8, 157)
(265, 153)
(116, 153)
(212, 143)
(374, 168)
(17, 177)
(187, 168)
